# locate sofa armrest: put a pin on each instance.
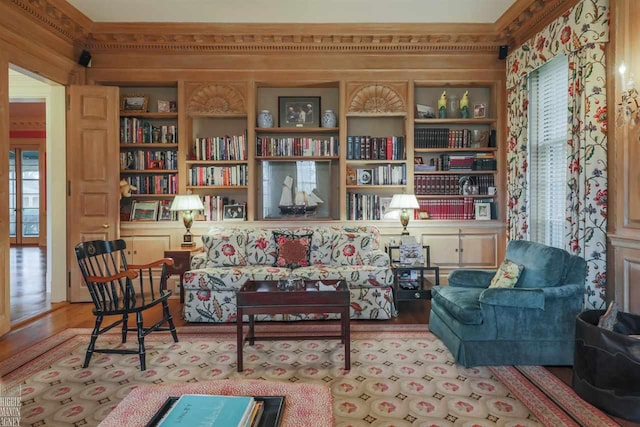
(379, 258)
(563, 291)
(468, 278)
(514, 297)
(198, 261)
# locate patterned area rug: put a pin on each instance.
(397, 378)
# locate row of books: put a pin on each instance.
(219, 175)
(155, 184)
(220, 148)
(391, 174)
(453, 209)
(462, 163)
(363, 147)
(442, 138)
(365, 206)
(450, 184)
(299, 147)
(148, 159)
(137, 131)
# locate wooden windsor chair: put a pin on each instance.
(120, 289)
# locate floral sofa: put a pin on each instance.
(234, 255)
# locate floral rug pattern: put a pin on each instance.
(400, 379)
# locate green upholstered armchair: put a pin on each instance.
(532, 323)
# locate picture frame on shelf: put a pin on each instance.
(164, 106)
(173, 107)
(134, 103)
(479, 111)
(482, 211)
(299, 111)
(233, 213)
(156, 164)
(164, 211)
(145, 210)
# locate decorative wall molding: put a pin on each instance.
(211, 98)
(516, 25)
(377, 98)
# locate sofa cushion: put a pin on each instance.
(507, 275)
(261, 247)
(352, 247)
(292, 249)
(356, 276)
(321, 245)
(225, 247)
(544, 266)
(461, 303)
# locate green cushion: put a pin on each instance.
(507, 275)
(461, 303)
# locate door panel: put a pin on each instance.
(444, 249)
(479, 250)
(93, 173)
(26, 193)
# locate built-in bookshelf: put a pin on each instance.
(455, 153)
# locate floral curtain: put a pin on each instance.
(581, 34)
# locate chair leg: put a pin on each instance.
(169, 318)
(125, 318)
(141, 351)
(92, 343)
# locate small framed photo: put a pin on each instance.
(173, 107)
(299, 111)
(134, 103)
(164, 212)
(145, 210)
(233, 213)
(418, 160)
(164, 106)
(479, 111)
(483, 211)
(156, 164)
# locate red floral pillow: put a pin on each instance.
(292, 251)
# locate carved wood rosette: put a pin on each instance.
(377, 98)
(216, 99)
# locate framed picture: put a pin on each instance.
(173, 106)
(164, 213)
(233, 213)
(299, 111)
(483, 210)
(164, 106)
(156, 164)
(134, 103)
(479, 111)
(145, 210)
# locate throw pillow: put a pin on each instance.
(610, 317)
(292, 250)
(507, 275)
(352, 248)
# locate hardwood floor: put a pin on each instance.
(66, 315)
(28, 272)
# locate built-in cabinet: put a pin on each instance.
(345, 173)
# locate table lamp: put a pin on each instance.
(404, 202)
(187, 203)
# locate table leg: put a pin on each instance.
(251, 330)
(240, 339)
(346, 335)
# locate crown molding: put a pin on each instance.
(527, 17)
(523, 19)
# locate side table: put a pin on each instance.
(422, 289)
(181, 262)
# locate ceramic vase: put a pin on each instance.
(329, 119)
(265, 119)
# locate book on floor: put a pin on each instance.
(210, 411)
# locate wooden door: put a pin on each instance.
(444, 249)
(5, 303)
(92, 173)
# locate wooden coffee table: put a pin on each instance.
(264, 297)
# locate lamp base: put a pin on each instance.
(187, 239)
(187, 244)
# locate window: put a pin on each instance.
(548, 130)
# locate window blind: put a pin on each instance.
(548, 130)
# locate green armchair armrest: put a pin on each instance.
(471, 278)
(514, 297)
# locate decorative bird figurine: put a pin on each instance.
(442, 106)
(464, 105)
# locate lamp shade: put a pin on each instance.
(186, 202)
(404, 201)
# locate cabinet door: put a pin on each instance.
(146, 249)
(479, 250)
(624, 284)
(444, 249)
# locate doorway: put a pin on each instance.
(25, 194)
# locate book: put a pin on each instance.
(268, 416)
(209, 411)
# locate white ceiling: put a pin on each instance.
(290, 11)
